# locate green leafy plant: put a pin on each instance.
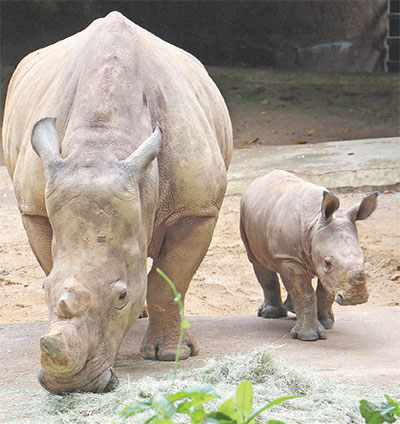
(380, 413)
(240, 410)
(184, 324)
(191, 401)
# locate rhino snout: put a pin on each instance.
(352, 289)
(355, 296)
(357, 277)
(104, 382)
(62, 350)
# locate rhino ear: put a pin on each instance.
(45, 140)
(330, 204)
(363, 209)
(136, 164)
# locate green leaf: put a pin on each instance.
(163, 407)
(162, 421)
(185, 324)
(197, 414)
(184, 407)
(228, 408)
(376, 414)
(395, 404)
(194, 393)
(274, 402)
(136, 408)
(217, 418)
(244, 399)
(275, 422)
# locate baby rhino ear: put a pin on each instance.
(363, 209)
(330, 204)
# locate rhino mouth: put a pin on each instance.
(104, 382)
(343, 300)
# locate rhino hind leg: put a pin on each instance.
(324, 304)
(40, 234)
(288, 305)
(272, 306)
(184, 247)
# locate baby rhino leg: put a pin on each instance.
(272, 306)
(324, 303)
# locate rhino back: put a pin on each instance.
(277, 214)
(118, 77)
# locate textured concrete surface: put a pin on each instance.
(342, 166)
(363, 346)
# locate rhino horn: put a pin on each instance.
(45, 141)
(136, 164)
(60, 354)
(74, 302)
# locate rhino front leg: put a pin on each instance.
(272, 306)
(324, 304)
(304, 301)
(184, 247)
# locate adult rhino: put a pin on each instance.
(117, 144)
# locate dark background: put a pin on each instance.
(245, 33)
(260, 54)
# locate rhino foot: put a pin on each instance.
(269, 311)
(308, 332)
(327, 321)
(164, 349)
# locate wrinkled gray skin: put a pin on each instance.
(118, 144)
(295, 229)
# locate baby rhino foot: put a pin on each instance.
(269, 311)
(308, 332)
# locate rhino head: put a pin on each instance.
(97, 286)
(336, 252)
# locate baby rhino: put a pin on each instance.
(296, 229)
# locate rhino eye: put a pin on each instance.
(120, 294)
(327, 264)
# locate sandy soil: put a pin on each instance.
(224, 284)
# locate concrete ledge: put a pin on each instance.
(343, 166)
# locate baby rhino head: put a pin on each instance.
(336, 252)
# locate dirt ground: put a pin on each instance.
(277, 108)
(224, 284)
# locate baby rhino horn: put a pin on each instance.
(74, 302)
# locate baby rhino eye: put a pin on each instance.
(123, 294)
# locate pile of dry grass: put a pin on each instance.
(325, 401)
